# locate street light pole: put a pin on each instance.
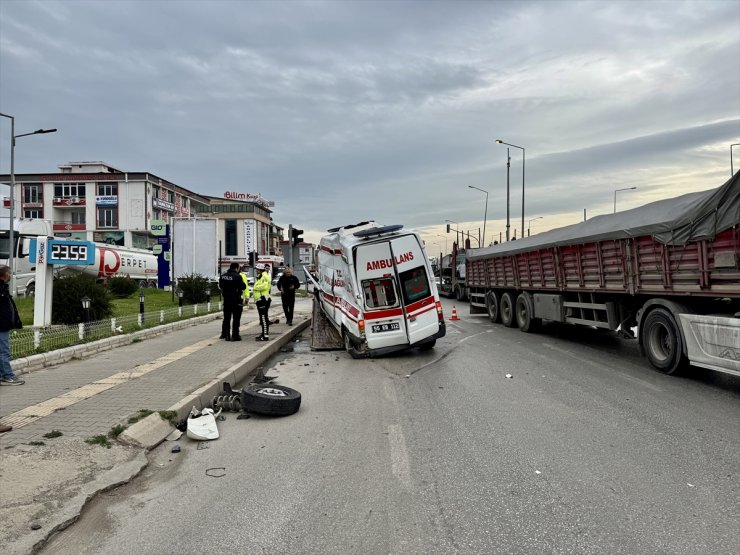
(523, 165)
(11, 246)
(485, 214)
(615, 195)
(732, 171)
(529, 223)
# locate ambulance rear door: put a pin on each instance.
(418, 298)
(385, 324)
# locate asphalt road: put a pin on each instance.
(584, 449)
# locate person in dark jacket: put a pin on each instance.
(9, 320)
(287, 285)
(232, 286)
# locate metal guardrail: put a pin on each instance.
(31, 341)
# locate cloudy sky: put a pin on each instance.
(356, 110)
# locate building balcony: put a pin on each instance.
(62, 202)
(68, 226)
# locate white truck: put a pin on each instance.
(376, 287)
(110, 260)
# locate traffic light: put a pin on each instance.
(252, 258)
(295, 236)
(448, 228)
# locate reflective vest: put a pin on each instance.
(262, 286)
(246, 293)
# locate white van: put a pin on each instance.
(377, 288)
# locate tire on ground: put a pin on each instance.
(270, 399)
(429, 345)
(508, 317)
(492, 305)
(350, 347)
(662, 341)
(524, 310)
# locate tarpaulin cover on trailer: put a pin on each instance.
(674, 221)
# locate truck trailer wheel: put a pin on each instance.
(508, 317)
(525, 313)
(492, 305)
(662, 342)
(270, 399)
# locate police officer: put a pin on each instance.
(262, 300)
(247, 291)
(232, 286)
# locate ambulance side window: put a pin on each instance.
(379, 293)
(414, 284)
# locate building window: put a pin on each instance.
(32, 194)
(78, 216)
(171, 196)
(67, 190)
(231, 237)
(107, 217)
(155, 191)
(107, 189)
(33, 213)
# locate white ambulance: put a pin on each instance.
(377, 288)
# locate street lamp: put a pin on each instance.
(86, 307)
(208, 296)
(180, 295)
(615, 195)
(732, 171)
(11, 248)
(523, 161)
(485, 214)
(529, 223)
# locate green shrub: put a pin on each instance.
(194, 288)
(66, 307)
(122, 286)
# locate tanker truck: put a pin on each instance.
(666, 274)
(110, 260)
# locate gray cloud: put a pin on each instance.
(344, 111)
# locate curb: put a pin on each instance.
(59, 356)
(152, 430)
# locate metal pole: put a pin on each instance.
(523, 151)
(508, 165)
(732, 171)
(11, 246)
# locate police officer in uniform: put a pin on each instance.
(232, 285)
(261, 291)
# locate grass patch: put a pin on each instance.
(53, 434)
(143, 413)
(36, 443)
(99, 440)
(116, 430)
(169, 415)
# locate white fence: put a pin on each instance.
(30, 341)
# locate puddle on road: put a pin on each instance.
(300, 345)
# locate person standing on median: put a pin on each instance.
(287, 285)
(9, 320)
(232, 285)
(262, 299)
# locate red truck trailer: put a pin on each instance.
(670, 269)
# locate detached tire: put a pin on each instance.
(493, 307)
(270, 399)
(662, 342)
(508, 318)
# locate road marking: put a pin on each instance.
(30, 414)
(399, 455)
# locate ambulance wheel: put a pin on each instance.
(31, 290)
(525, 313)
(428, 346)
(492, 305)
(350, 347)
(508, 317)
(662, 342)
(270, 399)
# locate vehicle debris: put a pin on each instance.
(202, 424)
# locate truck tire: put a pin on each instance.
(30, 290)
(524, 310)
(350, 347)
(508, 317)
(428, 346)
(493, 307)
(270, 399)
(662, 342)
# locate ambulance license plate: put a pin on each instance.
(386, 327)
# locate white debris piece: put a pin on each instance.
(509, 376)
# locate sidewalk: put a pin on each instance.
(45, 481)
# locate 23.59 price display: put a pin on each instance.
(68, 251)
